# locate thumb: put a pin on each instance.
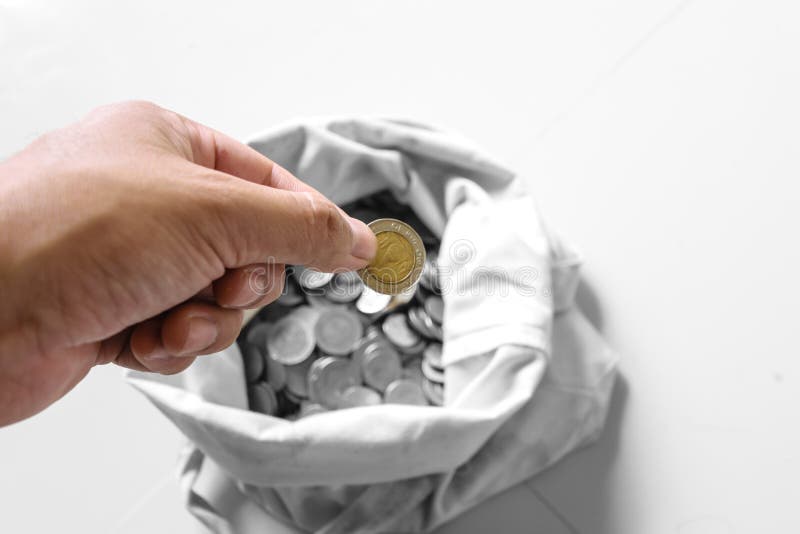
(259, 223)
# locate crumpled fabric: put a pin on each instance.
(528, 378)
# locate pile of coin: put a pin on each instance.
(335, 341)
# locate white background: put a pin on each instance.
(661, 137)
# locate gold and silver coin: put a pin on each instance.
(405, 391)
(399, 259)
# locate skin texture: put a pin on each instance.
(137, 236)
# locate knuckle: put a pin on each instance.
(325, 228)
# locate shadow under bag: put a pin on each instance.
(527, 378)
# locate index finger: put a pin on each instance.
(216, 150)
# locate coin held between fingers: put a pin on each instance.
(399, 258)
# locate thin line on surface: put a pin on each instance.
(553, 510)
(601, 78)
(138, 505)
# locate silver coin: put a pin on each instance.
(431, 373)
(320, 303)
(434, 392)
(417, 321)
(434, 329)
(434, 306)
(262, 398)
(405, 391)
(328, 378)
(291, 340)
(414, 350)
(412, 370)
(276, 373)
(371, 302)
(433, 355)
(311, 278)
(396, 329)
(291, 295)
(366, 342)
(355, 396)
(253, 362)
(403, 297)
(381, 366)
(430, 273)
(344, 287)
(296, 399)
(297, 378)
(308, 408)
(338, 331)
(257, 335)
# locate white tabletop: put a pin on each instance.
(660, 137)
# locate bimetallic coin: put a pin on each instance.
(297, 379)
(359, 396)
(405, 391)
(371, 302)
(431, 373)
(380, 366)
(262, 399)
(338, 331)
(396, 329)
(399, 260)
(434, 392)
(253, 362)
(344, 287)
(291, 340)
(434, 306)
(311, 278)
(328, 378)
(433, 355)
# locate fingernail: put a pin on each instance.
(202, 333)
(364, 243)
(158, 353)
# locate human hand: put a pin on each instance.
(137, 236)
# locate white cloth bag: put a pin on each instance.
(528, 379)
